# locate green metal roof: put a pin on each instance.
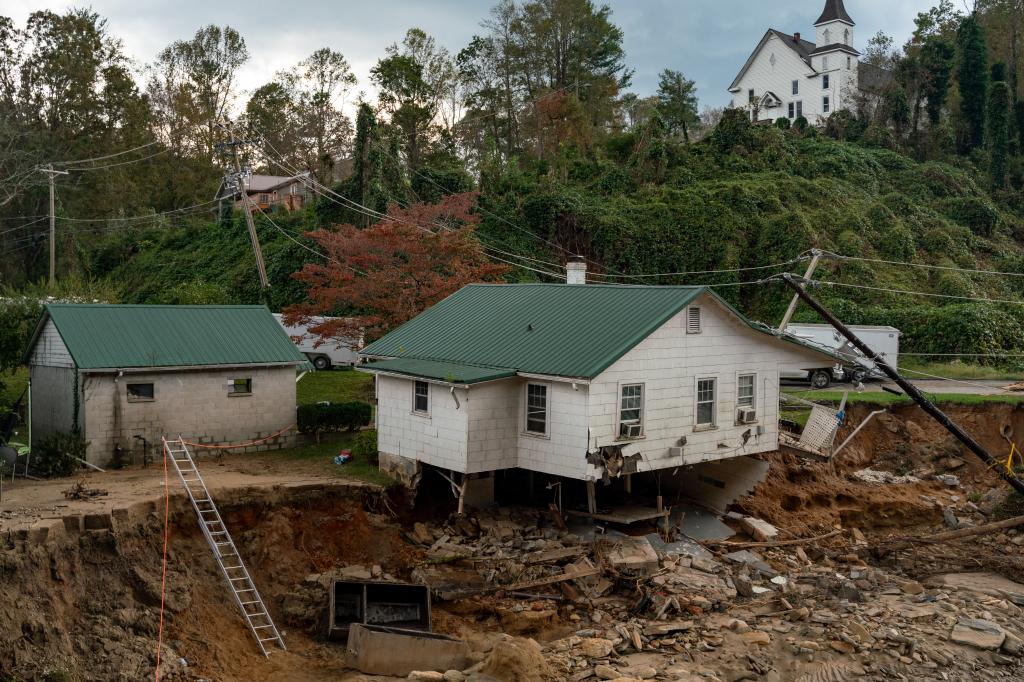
(123, 336)
(566, 330)
(450, 372)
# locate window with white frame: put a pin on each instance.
(796, 87)
(537, 409)
(799, 109)
(824, 62)
(631, 410)
(792, 110)
(706, 389)
(745, 387)
(824, 82)
(826, 104)
(421, 397)
(693, 321)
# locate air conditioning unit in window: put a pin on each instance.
(634, 430)
(746, 415)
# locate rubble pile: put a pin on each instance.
(640, 607)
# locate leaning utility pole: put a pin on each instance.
(816, 256)
(50, 174)
(928, 406)
(238, 180)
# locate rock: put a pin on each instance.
(454, 676)
(426, 676)
(859, 631)
(596, 647)
(606, 672)
(760, 530)
(849, 592)
(948, 479)
(950, 518)
(841, 646)
(643, 672)
(659, 629)
(981, 634)
(910, 586)
(744, 587)
(758, 637)
(634, 555)
(1012, 644)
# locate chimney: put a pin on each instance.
(576, 270)
(796, 37)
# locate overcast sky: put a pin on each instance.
(708, 40)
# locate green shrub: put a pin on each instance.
(364, 446)
(800, 123)
(782, 123)
(318, 418)
(897, 242)
(976, 214)
(54, 456)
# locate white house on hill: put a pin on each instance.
(788, 76)
(578, 381)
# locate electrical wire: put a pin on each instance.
(922, 265)
(964, 355)
(144, 217)
(122, 163)
(817, 282)
(708, 272)
(108, 156)
(24, 225)
(956, 381)
(307, 248)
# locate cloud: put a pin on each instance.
(708, 40)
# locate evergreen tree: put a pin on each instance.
(998, 124)
(937, 57)
(677, 102)
(973, 79)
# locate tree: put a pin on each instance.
(897, 109)
(972, 77)
(937, 59)
(414, 80)
(425, 251)
(192, 88)
(998, 125)
(677, 102)
(879, 51)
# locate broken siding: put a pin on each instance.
(668, 363)
(439, 439)
(50, 349)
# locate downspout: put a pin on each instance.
(76, 403)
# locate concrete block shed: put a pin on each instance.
(219, 374)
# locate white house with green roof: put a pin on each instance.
(579, 381)
(215, 374)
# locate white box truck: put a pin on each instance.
(329, 352)
(885, 341)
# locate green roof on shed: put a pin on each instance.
(450, 372)
(555, 329)
(122, 336)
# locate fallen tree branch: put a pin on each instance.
(777, 543)
(983, 529)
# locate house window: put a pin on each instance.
(824, 82)
(140, 392)
(825, 104)
(791, 110)
(705, 403)
(421, 397)
(537, 409)
(828, 37)
(241, 386)
(264, 198)
(631, 411)
(846, 38)
(796, 87)
(750, 95)
(799, 109)
(824, 63)
(693, 320)
(745, 390)
(849, 62)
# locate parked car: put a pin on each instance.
(323, 353)
(818, 377)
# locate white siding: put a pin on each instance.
(668, 363)
(563, 452)
(440, 438)
(764, 76)
(50, 349)
(493, 425)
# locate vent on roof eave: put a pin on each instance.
(576, 270)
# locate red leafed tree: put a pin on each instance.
(378, 277)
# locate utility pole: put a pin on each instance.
(50, 174)
(816, 256)
(238, 180)
(909, 388)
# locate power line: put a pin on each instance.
(307, 248)
(24, 225)
(122, 163)
(965, 355)
(922, 265)
(817, 282)
(707, 272)
(957, 381)
(143, 217)
(108, 156)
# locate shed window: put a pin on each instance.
(745, 390)
(241, 386)
(706, 402)
(693, 320)
(631, 410)
(421, 397)
(140, 391)
(537, 409)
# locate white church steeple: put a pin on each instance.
(834, 26)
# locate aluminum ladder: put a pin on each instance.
(224, 551)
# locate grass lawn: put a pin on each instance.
(13, 385)
(958, 370)
(324, 453)
(885, 399)
(335, 385)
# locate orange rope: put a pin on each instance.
(239, 445)
(163, 576)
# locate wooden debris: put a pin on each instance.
(953, 534)
(79, 492)
(777, 543)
